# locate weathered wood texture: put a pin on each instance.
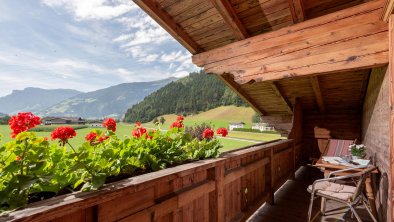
(205, 25)
(391, 102)
(388, 10)
(355, 38)
(375, 134)
(341, 126)
(225, 189)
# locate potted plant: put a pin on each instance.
(357, 151)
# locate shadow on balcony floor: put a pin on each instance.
(292, 201)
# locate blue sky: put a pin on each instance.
(84, 45)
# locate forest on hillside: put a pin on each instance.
(192, 94)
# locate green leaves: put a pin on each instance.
(30, 166)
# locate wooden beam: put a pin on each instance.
(230, 17)
(164, 19)
(388, 10)
(297, 11)
(318, 94)
(351, 39)
(229, 81)
(279, 92)
(391, 92)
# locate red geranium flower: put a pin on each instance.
(176, 125)
(208, 133)
(18, 158)
(91, 137)
(110, 124)
(180, 119)
(23, 122)
(103, 138)
(222, 131)
(138, 132)
(63, 133)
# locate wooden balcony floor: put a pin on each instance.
(292, 201)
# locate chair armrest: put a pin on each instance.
(335, 179)
(345, 170)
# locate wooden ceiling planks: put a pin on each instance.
(167, 22)
(356, 40)
(202, 25)
(341, 93)
(316, 8)
(229, 15)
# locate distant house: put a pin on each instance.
(262, 127)
(63, 120)
(233, 126)
(96, 124)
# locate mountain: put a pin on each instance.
(33, 99)
(192, 94)
(112, 101)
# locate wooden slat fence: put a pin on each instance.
(229, 188)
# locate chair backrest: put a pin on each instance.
(361, 183)
(337, 147)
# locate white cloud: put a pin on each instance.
(93, 9)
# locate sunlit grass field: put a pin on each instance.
(218, 117)
(122, 131)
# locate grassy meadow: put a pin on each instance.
(218, 117)
(122, 131)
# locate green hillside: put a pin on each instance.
(217, 117)
(195, 93)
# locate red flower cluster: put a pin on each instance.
(222, 131)
(139, 130)
(23, 122)
(63, 133)
(178, 123)
(103, 138)
(180, 119)
(18, 158)
(208, 133)
(91, 137)
(110, 124)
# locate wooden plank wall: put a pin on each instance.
(229, 188)
(350, 39)
(341, 126)
(376, 134)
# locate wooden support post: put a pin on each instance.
(216, 198)
(294, 161)
(272, 188)
(391, 92)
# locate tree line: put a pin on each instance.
(195, 93)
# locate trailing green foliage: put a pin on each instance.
(52, 127)
(195, 93)
(32, 169)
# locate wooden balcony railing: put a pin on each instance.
(229, 188)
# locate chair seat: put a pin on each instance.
(335, 190)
